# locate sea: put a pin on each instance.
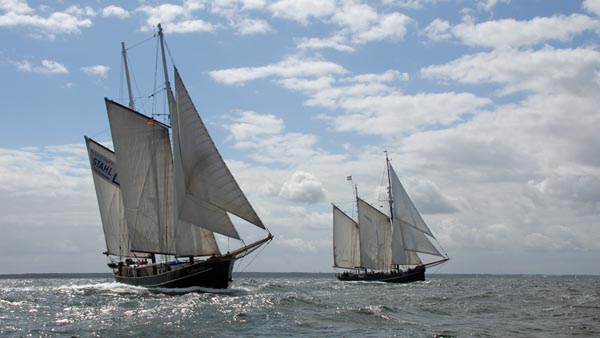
(303, 305)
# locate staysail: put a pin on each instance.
(206, 189)
(110, 202)
(346, 243)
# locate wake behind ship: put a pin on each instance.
(163, 196)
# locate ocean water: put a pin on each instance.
(305, 306)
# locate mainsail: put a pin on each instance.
(375, 237)
(143, 153)
(110, 202)
(147, 165)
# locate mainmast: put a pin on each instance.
(391, 201)
(131, 104)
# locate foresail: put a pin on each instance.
(406, 217)
(415, 240)
(400, 256)
(404, 208)
(110, 202)
(202, 176)
(346, 241)
(145, 166)
(375, 237)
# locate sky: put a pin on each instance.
(488, 109)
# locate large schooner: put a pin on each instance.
(163, 196)
(378, 247)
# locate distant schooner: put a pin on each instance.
(163, 197)
(383, 248)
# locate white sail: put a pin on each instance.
(404, 208)
(192, 240)
(206, 190)
(415, 240)
(110, 202)
(400, 256)
(375, 237)
(346, 244)
(145, 166)
(412, 227)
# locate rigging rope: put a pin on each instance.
(253, 258)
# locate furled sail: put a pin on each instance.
(346, 241)
(206, 190)
(375, 237)
(413, 229)
(145, 166)
(110, 202)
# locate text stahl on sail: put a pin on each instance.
(163, 197)
(383, 248)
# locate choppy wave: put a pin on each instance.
(260, 307)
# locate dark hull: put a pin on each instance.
(414, 275)
(214, 273)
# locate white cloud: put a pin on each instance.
(360, 23)
(438, 30)
(387, 76)
(592, 6)
(303, 246)
(97, 70)
(248, 26)
(19, 14)
(115, 11)
(48, 208)
(176, 18)
(410, 4)
(508, 33)
(545, 70)
(337, 42)
(46, 67)
(290, 67)
(81, 11)
(250, 124)
(302, 10)
(302, 187)
(388, 26)
(395, 113)
(488, 5)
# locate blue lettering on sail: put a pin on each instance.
(103, 167)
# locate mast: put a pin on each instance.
(391, 201)
(390, 198)
(164, 62)
(131, 104)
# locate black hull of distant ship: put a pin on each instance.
(414, 275)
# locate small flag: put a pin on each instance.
(349, 178)
(150, 121)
